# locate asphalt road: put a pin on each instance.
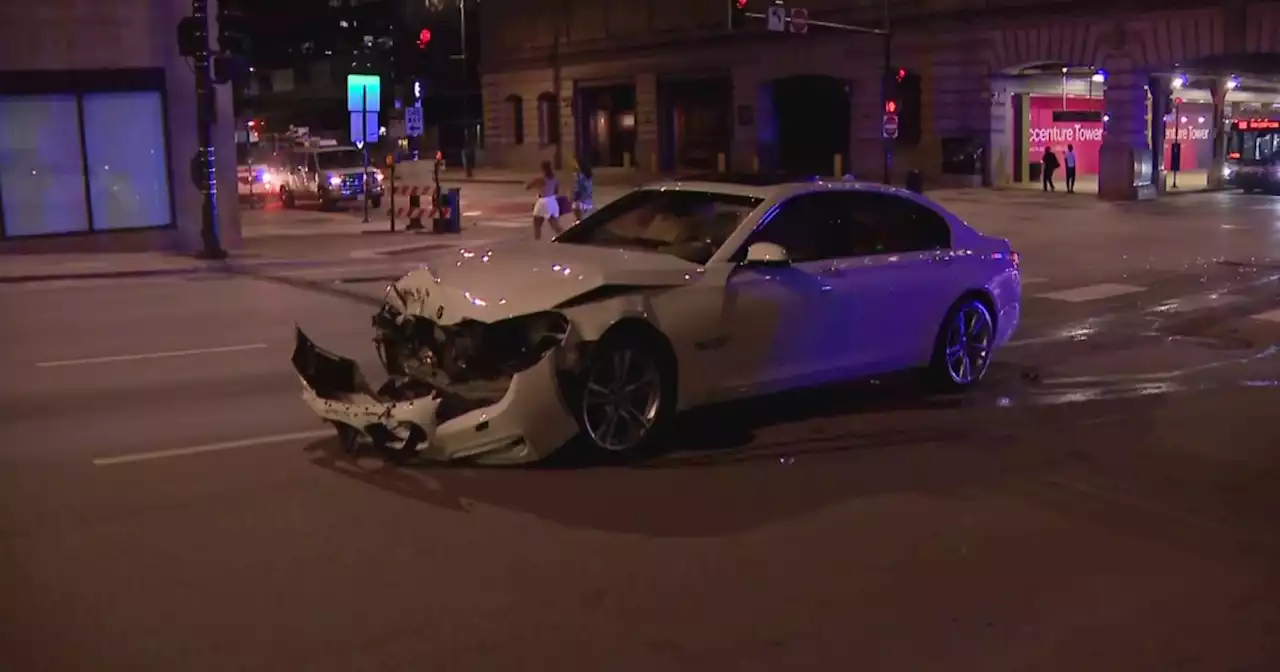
(1106, 501)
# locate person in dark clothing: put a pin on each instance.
(1049, 164)
(1070, 158)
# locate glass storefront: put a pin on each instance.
(82, 162)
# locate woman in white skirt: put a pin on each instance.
(547, 207)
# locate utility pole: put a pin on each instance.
(206, 109)
(468, 151)
(886, 93)
(557, 87)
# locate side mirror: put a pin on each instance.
(766, 254)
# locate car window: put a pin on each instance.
(347, 158)
(810, 227)
(691, 225)
(891, 224)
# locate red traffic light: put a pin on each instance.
(424, 38)
(902, 74)
(890, 106)
(740, 4)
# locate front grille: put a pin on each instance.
(354, 183)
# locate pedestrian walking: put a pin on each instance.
(582, 191)
(1048, 164)
(1069, 159)
(547, 207)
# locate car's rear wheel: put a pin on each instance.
(962, 351)
(627, 395)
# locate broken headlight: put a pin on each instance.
(467, 351)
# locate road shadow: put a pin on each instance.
(733, 468)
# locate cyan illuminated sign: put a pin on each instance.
(364, 93)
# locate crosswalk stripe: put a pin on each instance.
(1104, 290)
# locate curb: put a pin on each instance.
(211, 268)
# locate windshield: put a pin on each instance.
(690, 225)
(346, 158)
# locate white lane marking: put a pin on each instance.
(1269, 316)
(1034, 281)
(473, 213)
(212, 447)
(1105, 290)
(150, 355)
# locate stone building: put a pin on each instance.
(98, 128)
(665, 84)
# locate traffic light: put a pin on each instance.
(192, 37)
(910, 107)
(424, 38)
(232, 62)
(737, 14)
(233, 29)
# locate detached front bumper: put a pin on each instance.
(528, 423)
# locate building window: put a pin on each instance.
(86, 160)
(517, 119)
(125, 153)
(41, 171)
(548, 122)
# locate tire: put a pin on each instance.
(287, 199)
(964, 343)
(375, 202)
(625, 415)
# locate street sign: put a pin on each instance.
(890, 126)
(364, 101)
(413, 121)
(364, 93)
(777, 18)
(364, 127)
(799, 21)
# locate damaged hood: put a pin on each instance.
(495, 282)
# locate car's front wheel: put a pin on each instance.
(627, 395)
(962, 351)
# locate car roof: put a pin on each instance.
(767, 188)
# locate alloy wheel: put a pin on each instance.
(621, 400)
(968, 344)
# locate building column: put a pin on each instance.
(755, 134)
(1218, 89)
(1161, 105)
(646, 150)
(1000, 155)
(1125, 167)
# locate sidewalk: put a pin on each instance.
(261, 253)
(422, 172)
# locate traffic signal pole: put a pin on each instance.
(885, 92)
(206, 106)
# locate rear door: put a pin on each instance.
(902, 271)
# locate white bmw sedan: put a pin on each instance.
(674, 296)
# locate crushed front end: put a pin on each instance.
(484, 391)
